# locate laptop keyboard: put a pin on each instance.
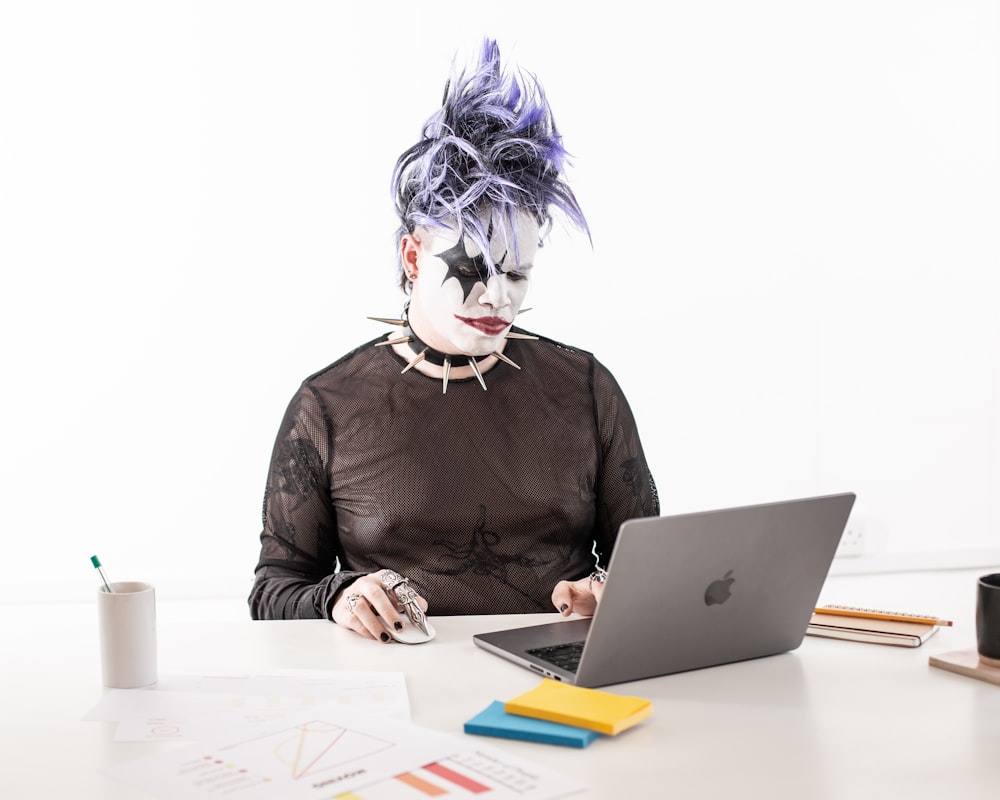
(564, 656)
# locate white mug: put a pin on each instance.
(127, 617)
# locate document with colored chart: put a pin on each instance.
(321, 753)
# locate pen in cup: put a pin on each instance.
(100, 571)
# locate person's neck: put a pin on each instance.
(436, 363)
(434, 355)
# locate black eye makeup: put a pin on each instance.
(470, 270)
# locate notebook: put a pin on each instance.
(876, 631)
(690, 591)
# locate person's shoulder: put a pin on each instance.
(556, 347)
(345, 366)
(572, 355)
(565, 359)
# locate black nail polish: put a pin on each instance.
(384, 636)
(563, 607)
(398, 625)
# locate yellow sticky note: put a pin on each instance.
(593, 709)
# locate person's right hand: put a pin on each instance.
(358, 604)
(580, 596)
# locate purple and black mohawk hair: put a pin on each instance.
(492, 146)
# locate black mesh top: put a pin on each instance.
(484, 500)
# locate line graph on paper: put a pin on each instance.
(318, 754)
(312, 748)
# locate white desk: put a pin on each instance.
(830, 720)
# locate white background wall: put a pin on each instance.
(794, 271)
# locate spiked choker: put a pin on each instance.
(427, 353)
(424, 352)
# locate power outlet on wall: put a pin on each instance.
(854, 542)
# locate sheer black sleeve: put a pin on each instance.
(625, 487)
(296, 575)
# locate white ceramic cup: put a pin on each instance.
(127, 617)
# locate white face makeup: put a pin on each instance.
(456, 306)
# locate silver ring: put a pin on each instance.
(405, 593)
(599, 575)
(352, 601)
(391, 579)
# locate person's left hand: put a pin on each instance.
(570, 596)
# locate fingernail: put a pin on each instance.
(563, 607)
(398, 625)
(384, 636)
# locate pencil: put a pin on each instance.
(871, 613)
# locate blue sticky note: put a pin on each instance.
(494, 721)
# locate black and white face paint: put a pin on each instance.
(456, 305)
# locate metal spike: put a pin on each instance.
(397, 340)
(389, 321)
(475, 368)
(523, 310)
(420, 357)
(447, 371)
(512, 335)
(504, 358)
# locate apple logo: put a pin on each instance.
(718, 590)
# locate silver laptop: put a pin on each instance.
(691, 591)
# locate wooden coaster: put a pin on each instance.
(966, 662)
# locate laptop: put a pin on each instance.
(690, 591)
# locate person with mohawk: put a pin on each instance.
(490, 466)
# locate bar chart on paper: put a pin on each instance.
(487, 774)
(469, 774)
